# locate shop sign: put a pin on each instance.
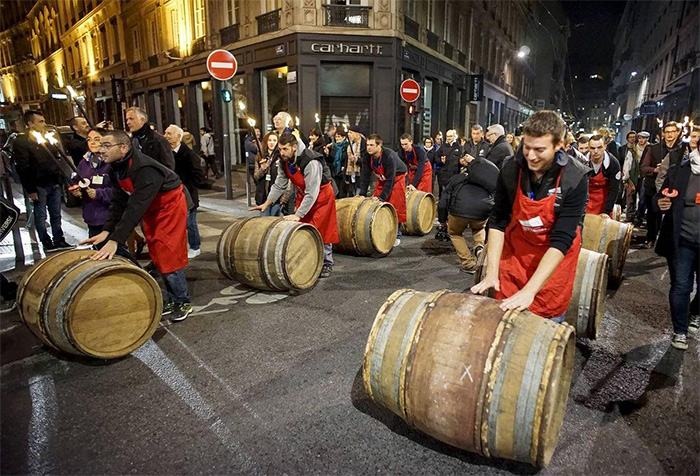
(476, 87)
(343, 48)
(648, 108)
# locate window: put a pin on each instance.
(273, 86)
(153, 32)
(430, 17)
(199, 18)
(136, 44)
(104, 44)
(411, 8)
(270, 5)
(174, 28)
(462, 35)
(232, 11)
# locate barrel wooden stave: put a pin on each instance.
(587, 306)
(611, 237)
(420, 212)
(271, 254)
(464, 372)
(366, 227)
(70, 303)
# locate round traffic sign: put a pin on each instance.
(410, 90)
(222, 65)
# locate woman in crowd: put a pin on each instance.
(513, 140)
(93, 185)
(266, 173)
(341, 159)
(316, 141)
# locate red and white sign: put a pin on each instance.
(410, 90)
(222, 65)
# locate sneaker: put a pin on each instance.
(397, 242)
(193, 253)
(679, 341)
(693, 324)
(468, 269)
(326, 271)
(62, 245)
(7, 305)
(48, 247)
(168, 308)
(478, 249)
(181, 311)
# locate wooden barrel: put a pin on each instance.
(617, 212)
(103, 309)
(271, 253)
(587, 306)
(610, 237)
(458, 368)
(420, 213)
(367, 227)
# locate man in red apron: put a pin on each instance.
(315, 199)
(150, 193)
(420, 172)
(390, 171)
(535, 236)
(604, 179)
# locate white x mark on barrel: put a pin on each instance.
(467, 373)
(219, 64)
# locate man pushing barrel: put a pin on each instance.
(535, 236)
(315, 199)
(151, 193)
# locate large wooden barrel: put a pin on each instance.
(367, 227)
(458, 368)
(271, 254)
(103, 309)
(611, 237)
(420, 213)
(587, 306)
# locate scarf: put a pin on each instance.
(337, 159)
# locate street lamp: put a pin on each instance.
(633, 74)
(523, 52)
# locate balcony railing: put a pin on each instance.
(199, 45)
(462, 58)
(117, 57)
(346, 15)
(230, 34)
(153, 61)
(449, 50)
(411, 27)
(433, 40)
(269, 22)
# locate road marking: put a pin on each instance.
(165, 369)
(41, 426)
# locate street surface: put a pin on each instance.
(263, 383)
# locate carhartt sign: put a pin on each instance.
(348, 48)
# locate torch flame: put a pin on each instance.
(345, 126)
(296, 120)
(38, 137)
(251, 122)
(241, 105)
(51, 138)
(316, 118)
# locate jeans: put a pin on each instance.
(653, 218)
(176, 287)
(559, 319)
(328, 254)
(274, 210)
(49, 196)
(683, 269)
(193, 237)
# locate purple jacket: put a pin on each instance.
(96, 212)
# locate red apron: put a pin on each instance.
(526, 242)
(165, 228)
(322, 213)
(397, 197)
(426, 181)
(597, 193)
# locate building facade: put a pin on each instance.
(656, 69)
(324, 61)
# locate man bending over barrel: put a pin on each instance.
(391, 177)
(535, 238)
(147, 191)
(315, 198)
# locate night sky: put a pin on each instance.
(591, 47)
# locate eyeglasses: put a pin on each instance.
(109, 146)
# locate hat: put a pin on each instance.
(357, 128)
(496, 129)
(644, 134)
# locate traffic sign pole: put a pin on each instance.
(226, 143)
(222, 66)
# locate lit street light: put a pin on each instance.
(523, 52)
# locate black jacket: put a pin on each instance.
(499, 151)
(36, 165)
(470, 194)
(149, 178)
(251, 150)
(669, 236)
(188, 167)
(452, 153)
(570, 205)
(393, 166)
(477, 150)
(76, 146)
(155, 146)
(651, 158)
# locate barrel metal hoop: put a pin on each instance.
(285, 248)
(353, 227)
(262, 254)
(369, 223)
(415, 206)
(231, 261)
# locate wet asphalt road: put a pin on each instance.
(259, 383)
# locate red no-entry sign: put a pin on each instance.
(410, 90)
(222, 65)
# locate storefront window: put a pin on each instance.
(273, 86)
(206, 107)
(345, 94)
(180, 102)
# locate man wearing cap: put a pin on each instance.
(604, 178)
(535, 236)
(630, 174)
(420, 172)
(500, 148)
(642, 145)
(390, 171)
